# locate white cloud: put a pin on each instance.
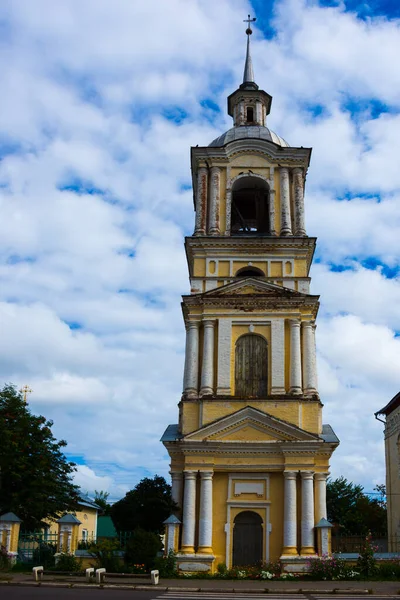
(90, 280)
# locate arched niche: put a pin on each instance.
(250, 272)
(250, 210)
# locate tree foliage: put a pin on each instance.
(145, 507)
(352, 512)
(36, 478)
(101, 499)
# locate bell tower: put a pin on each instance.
(250, 455)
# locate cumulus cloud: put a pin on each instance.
(101, 108)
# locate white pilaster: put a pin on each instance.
(309, 358)
(295, 357)
(278, 356)
(191, 372)
(207, 369)
(205, 521)
(228, 209)
(214, 195)
(189, 512)
(286, 225)
(290, 514)
(307, 513)
(272, 229)
(176, 487)
(320, 488)
(298, 184)
(201, 201)
(224, 357)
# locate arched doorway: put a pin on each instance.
(250, 206)
(251, 366)
(247, 539)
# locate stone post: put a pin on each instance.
(191, 371)
(68, 527)
(9, 534)
(290, 514)
(171, 534)
(298, 184)
(189, 512)
(207, 370)
(286, 225)
(213, 221)
(307, 513)
(295, 357)
(201, 201)
(176, 487)
(205, 521)
(309, 358)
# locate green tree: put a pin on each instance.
(36, 478)
(101, 499)
(353, 512)
(145, 507)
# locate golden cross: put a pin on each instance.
(248, 21)
(25, 390)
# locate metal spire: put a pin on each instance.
(248, 75)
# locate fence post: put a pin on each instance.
(324, 544)
(68, 527)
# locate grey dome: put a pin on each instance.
(252, 131)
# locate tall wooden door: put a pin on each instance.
(247, 539)
(251, 366)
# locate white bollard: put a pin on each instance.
(155, 577)
(89, 574)
(100, 574)
(38, 573)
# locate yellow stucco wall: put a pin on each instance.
(392, 452)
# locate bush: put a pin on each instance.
(388, 569)
(5, 562)
(105, 555)
(44, 554)
(142, 548)
(366, 563)
(167, 565)
(68, 562)
(326, 568)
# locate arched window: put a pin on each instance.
(250, 114)
(250, 206)
(250, 272)
(251, 366)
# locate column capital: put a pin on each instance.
(190, 474)
(206, 474)
(321, 476)
(284, 170)
(306, 324)
(193, 324)
(298, 170)
(209, 323)
(215, 169)
(307, 474)
(294, 322)
(176, 474)
(290, 474)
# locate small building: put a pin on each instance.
(392, 455)
(87, 514)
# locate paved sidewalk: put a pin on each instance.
(208, 585)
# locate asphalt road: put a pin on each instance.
(47, 593)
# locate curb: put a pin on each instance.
(209, 590)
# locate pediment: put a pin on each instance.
(252, 286)
(250, 425)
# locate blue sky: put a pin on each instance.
(96, 126)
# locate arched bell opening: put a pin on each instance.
(247, 539)
(251, 366)
(250, 206)
(250, 272)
